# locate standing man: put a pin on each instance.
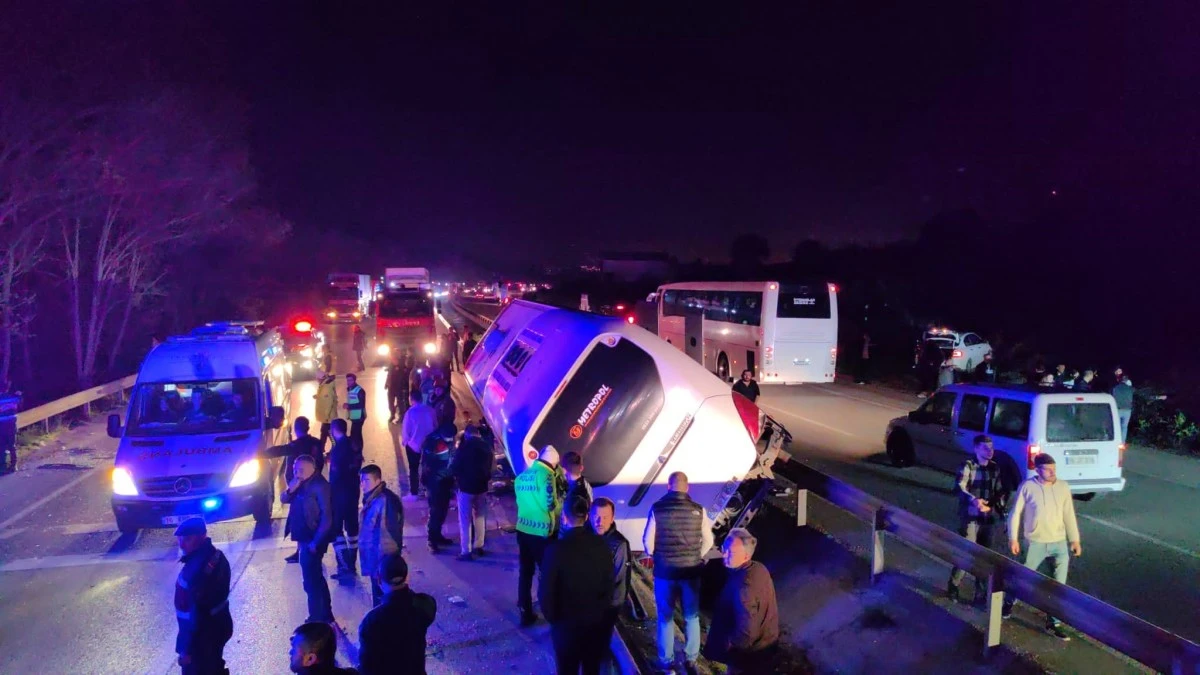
(575, 593)
(327, 403)
(1042, 511)
(678, 534)
(985, 372)
(443, 404)
(310, 522)
(469, 344)
(539, 505)
(744, 633)
(359, 346)
(472, 467)
(439, 482)
(345, 460)
(982, 497)
(419, 422)
(397, 386)
(864, 361)
(603, 522)
(356, 406)
(1123, 393)
(452, 345)
(201, 602)
(392, 637)
(572, 464)
(381, 526)
(747, 386)
(302, 444)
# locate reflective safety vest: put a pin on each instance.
(355, 398)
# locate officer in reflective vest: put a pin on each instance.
(201, 602)
(356, 405)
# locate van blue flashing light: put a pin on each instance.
(210, 504)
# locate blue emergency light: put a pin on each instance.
(210, 504)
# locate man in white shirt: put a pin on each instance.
(1043, 512)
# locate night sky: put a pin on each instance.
(617, 128)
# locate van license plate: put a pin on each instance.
(176, 520)
(1081, 459)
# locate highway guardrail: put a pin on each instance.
(1140, 640)
(82, 399)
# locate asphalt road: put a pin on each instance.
(78, 597)
(1141, 547)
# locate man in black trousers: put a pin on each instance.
(576, 593)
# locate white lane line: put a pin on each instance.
(835, 430)
(1145, 537)
(886, 406)
(231, 549)
(39, 503)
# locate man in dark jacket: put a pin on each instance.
(602, 519)
(310, 522)
(469, 344)
(397, 386)
(452, 349)
(572, 466)
(302, 444)
(443, 404)
(314, 651)
(745, 628)
(438, 480)
(747, 386)
(677, 535)
(986, 370)
(982, 496)
(345, 459)
(381, 525)
(392, 637)
(576, 592)
(359, 344)
(201, 602)
(472, 468)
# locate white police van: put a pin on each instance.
(1080, 430)
(205, 408)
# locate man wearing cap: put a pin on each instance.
(392, 637)
(576, 591)
(1042, 510)
(310, 523)
(201, 601)
(439, 482)
(539, 504)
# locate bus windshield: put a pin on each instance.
(191, 408)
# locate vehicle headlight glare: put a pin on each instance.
(122, 482)
(246, 474)
(331, 314)
(430, 348)
(383, 350)
(307, 352)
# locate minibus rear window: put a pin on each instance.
(1079, 422)
(604, 410)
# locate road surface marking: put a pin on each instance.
(1145, 537)
(160, 554)
(868, 401)
(39, 503)
(835, 430)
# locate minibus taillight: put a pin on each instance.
(749, 414)
(1121, 456)
(1034, 451)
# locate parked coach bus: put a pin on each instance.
(635, 408)
(784, 333)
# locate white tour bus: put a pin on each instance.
(635, 408)
(783, 333)
(205, 408)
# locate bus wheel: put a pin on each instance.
(265, 507)
(125, 525)
(723, 368)
(900, 450)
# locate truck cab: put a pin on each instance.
(205, 408)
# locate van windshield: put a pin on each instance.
(1078, 422)
(190, 408)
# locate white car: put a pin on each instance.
(965, 350)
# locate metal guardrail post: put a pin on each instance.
(802, 507)
(878, 526)
(995, 610)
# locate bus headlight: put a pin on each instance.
(383, 350)
(430, 348)
(357, 315)
(331, 314)
(122, 482)
(307, 352)
(246, 474)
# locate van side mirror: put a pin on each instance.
(275, 417)
(114, 426)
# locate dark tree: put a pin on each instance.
(749, 251)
